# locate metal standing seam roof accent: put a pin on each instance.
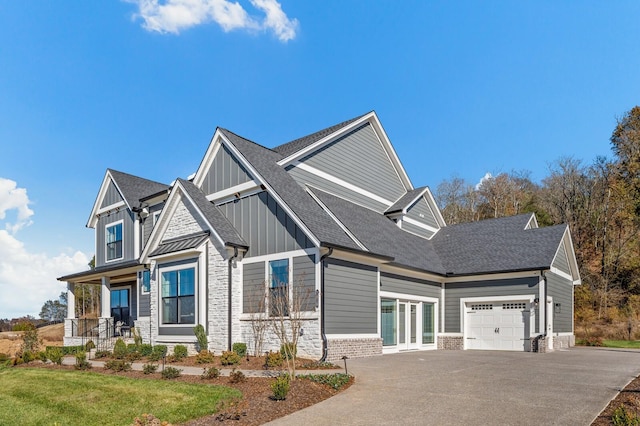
(135, 188)
(180, 243)
(406, 200)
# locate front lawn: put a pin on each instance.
(40, 396)
(627, 344)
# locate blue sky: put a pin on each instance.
(462, 88)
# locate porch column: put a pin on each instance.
(71, 300)
(105, 309)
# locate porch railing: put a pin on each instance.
(102, 331)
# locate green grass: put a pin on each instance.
(37, 396)
(627, 344)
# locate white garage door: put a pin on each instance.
(497, 325)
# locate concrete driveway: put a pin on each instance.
(568, 387)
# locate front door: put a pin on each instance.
(408, 325)
(120, 305)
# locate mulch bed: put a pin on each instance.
(256, 406)
(629, 398)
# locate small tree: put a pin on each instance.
(258, 323)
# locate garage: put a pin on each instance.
(498, 325)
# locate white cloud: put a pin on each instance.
(173, 16)
(27, 280)
(487, 176)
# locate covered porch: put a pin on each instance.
(117, 291)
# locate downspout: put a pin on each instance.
(230, 310)
(325, 344)
(544, 301)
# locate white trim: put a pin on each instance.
(141, 282)
(353, 336)
(110, 207)
(278, 256)
(420, 301)
(410, 297)
(490, 277)
(562, 274)
(230, 192)
(155, 216)
(207, 160)
(398, 270)
(532, 223)
(109, 225)
(263, 316)
(336, 220)
(442, 296)
(342, 183)
(420, 225)
(433, 206)
(136, 237)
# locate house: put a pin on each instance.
(333, 213)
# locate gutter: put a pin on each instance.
(325, 344)
(230, 294)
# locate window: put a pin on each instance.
(145, 281)
(428, 322)
(388, 322)
(114, 241)
(279, 287)
(156, 216)
(178, 296)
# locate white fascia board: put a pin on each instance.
(420, 225)
(241, 189)
(212, 150)
(431, 202)
(336, 220)
(324, 141)
(398, 270)
(272, 192)
(415, 200)
(571, 257)
(532, 223)
(391, 152)
(93, 218)
(488, 277)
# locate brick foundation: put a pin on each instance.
(452, 343)
(353, 348)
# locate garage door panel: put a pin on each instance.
(497, 325)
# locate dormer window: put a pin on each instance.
(113, 238)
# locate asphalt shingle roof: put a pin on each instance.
(214, 215)
(135, 188)
(296, 145)
(404, 201)
(303, 205)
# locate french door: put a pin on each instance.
(408, 325)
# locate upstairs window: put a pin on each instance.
(279, 287)
(114, 241)
(145, 282)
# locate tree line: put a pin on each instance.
(600, 201)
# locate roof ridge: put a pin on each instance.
(135, 176)
(247, 140)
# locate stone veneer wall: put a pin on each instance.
(218, 303)
(353, 348)
(455, 343)
(143, 328)
(309, 344)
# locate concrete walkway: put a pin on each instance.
(477, 387)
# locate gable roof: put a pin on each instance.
(497, 245)
(285, 188)
(406, 200)
(296, 145)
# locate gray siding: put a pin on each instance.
(127, 236)
(456, 291)
(561, 261)
(414, 286)
(359, 158)
(147, 226)
(112, 196)
(304, 279)
(145, 305)
(265, 225)
(350, 298)
(253, 288)
(303, 177)
(410, 227)
(561, 290)
(421, 212)
(225, 172)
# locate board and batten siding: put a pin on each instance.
(112, 196)
(304, 281)
(453, 292)
(127, 236)
(561, 290)
(264, 225)
(350, 298)
(148, 224)
(253, 288)
(225, 172)
(360, 159)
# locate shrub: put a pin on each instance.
(41, 356)
(101, 354)
(30, 341)
(229, 358)
(4, 357)
(137, 338)
(288, 350)
(205, 357)
(201, 335)
(180, 352)
(28, 356)
(24, 326)
(158, 352)
(120, 349)
(594, 341)
(132, 347)
(69, 350)
(89, 345)
(313, 365)
(280, 387)
(274, 359)
(171, 373)
(145, 349)
(240, 349)
(210, 373)
(149, 368)
(54, 355)
(81, 361)
(117, 365)
(236, 376)
(336, 381)
(622, 417)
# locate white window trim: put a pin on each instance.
(404, 297)
(154, 217)
(109, 225)
(196, 289)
